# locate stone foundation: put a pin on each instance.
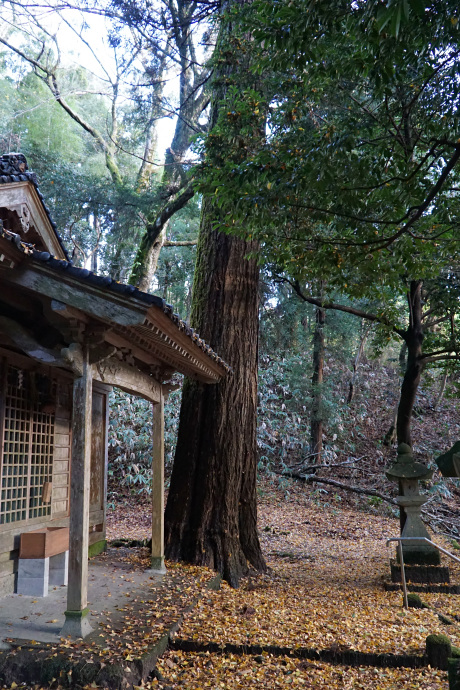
(424, 574)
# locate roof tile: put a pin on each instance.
(113, 286)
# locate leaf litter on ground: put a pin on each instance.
(324, 590)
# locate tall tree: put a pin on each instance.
(316, 421)
(211, 513)
(358, 180)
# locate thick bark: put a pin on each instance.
(414, 366)
(316, 421)
(211, 513)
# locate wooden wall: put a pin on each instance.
(60, 477)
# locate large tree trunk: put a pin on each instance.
(316, 420)
(414, 365)
(211, 513)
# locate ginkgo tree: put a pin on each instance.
(356, 182)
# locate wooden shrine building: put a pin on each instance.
(66, 337)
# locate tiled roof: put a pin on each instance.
(112, 285)
(14, 168)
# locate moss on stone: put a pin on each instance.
(97, 548)
(444, 619)
(414, 601)
(438, 651)
(454, 674)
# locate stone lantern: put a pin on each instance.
(409, 473)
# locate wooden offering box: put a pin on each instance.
(45, 542)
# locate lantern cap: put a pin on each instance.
(406, 467)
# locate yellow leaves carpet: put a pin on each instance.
(324, 591)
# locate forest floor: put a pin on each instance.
(323, 591)
(327, 556)
(322, 600)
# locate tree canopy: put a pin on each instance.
(358, 173)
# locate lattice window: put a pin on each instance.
(28, 440)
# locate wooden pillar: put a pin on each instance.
(158, 561)
(76, 622)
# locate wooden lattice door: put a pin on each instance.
(26, 462)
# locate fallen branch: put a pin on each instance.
(355, 489)
(313, 468)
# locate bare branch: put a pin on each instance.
(341, 307)
(310, 478)
(180, 243)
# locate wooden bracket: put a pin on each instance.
(168, 388)
(73, 357)
(100, 354)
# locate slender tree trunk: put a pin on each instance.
(402, 357)
(359, 354)
(97, 228)
(442, 390)
(211, 513)
(390, 436)
(316, 422)
(414, 367)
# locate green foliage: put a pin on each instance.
(130, 441)
(283, 434)
(355, 182)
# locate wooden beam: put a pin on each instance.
(148, 327)
(125, 344)
(115, 373)
(62, 309)
(184, 346)
(27, 343)
(76, 621)
(158, 560)
(100, 303)
(10, 255)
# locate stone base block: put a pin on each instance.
(76, 624)
(33, 576)
(157, 565)
(59, 569)
(421, 555)
(426, 574)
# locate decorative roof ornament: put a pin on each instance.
(14, 167)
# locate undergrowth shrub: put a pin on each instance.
(130, 439)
